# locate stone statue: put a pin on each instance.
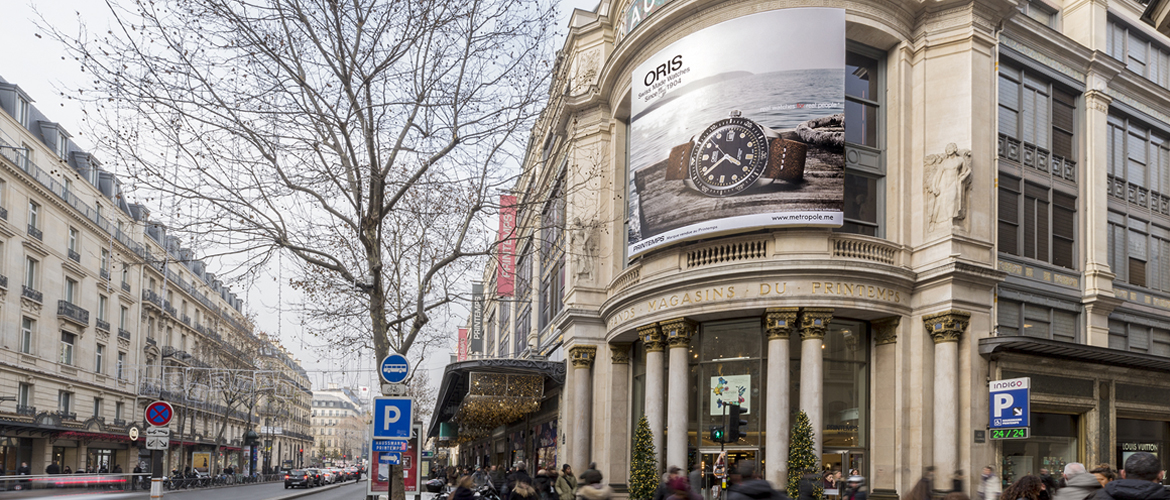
(585, 247)
(948, 179)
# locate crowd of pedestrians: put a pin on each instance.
(517, 484)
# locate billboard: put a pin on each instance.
(739, 126)
(461, 347)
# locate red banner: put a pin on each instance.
(461, 348)
(506, 278)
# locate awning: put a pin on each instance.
(1072, 351)
(484, 393)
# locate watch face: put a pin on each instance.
(728, 157)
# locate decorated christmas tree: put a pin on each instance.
(644, 466)
(802, 458)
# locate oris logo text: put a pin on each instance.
(663, 70)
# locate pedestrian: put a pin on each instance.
(53, 468)
(135, 478)
(567, 473)
(519, 489)
(807, 487)
(67, 470)
(1050, 485)
(591, 487)
(542, 484)
(463, 489)
(748, 485)
(663, 491)
(696, 480)
(989, 485)
(1028, 487)
(565, 489)
(1079, 483)
(925, 485)
(497, 478)
(592, 475)
(480, 477)
(1105, 473)
(1141, 479)
(854, 489)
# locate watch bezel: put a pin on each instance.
(758, 164)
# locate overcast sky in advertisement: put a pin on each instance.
(41, 68)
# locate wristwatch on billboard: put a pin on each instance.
(734, 155)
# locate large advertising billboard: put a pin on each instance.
(739, 126)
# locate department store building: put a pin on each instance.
(1000, 208)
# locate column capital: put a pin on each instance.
(651, 335)
(678, 331)
(1098, 100)
(619, 354)
(814, 322)
(779, 322)
(885, 330)
(582, 355)
(947, 326)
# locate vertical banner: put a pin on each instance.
(506, 250)
(739, 126)
(410, 465)
(461, 348)
(476, 346)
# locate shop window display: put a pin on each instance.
(1150, 436)
(1052, 444)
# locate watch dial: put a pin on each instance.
(729, 156)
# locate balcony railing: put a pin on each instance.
(72, 312)
(186, 320)
(105, 274)
(151, 342)
(35, 233)
(67, 415)
(3, 213)
(153, 298)
(125, 287)
(31, 294)
(74, 256)
(3, 281)
(102, 324)
(119, 422)
(170, 310)
(27, 410)
(123, 334)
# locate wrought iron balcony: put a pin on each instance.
(186, 320)
(150, 341)
(67, 415)
(3, 213)
(3, 281)
(72, 313)
(119, 422)
(170, 310)
(31, 294)
(151, 297)
(125, 287)
(103, 325)
(74, 256)
(35, 233)
(123, 334)
(30, 411)
(105, 274)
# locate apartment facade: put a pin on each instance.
(340, 425)
(107, 314)
(1002, 211)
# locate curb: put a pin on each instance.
(311, 491)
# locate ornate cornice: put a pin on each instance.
(779, 322)
(678, 331)
(582, 355)
(619, 354)
(947, 326)
(814, 322)
(885, 330)
(651, 335)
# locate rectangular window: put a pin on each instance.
(64, 402)
(1140, 54)
(62, 144)
(105, 262)
(118, 409)
(97, 407)
(67, 341)
(24, 395)
(103, 304)
(123, 312)
(71, 291)
(125, 274)
(100, 353)
(121, 366)
(23, 110)
(73, 236)
(34, 211)
(1033, 320)
(864, 163)
(27, 327)
(30, 273)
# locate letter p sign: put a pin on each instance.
(1003, 401)
(392, 418)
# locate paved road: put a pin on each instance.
(265, 491)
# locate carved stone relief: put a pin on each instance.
(947, 186)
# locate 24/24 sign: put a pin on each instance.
(1009, 403)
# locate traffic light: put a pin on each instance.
(736, 426)
(717, 433)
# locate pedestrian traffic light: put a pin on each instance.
(736, 426)
(717, 433)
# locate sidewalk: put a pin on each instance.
(247, 491)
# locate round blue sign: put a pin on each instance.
(395, 368)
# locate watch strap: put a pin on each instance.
(676, 163)
(786, 160)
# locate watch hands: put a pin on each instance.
(713, 165)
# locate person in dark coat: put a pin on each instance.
(1141, 479)
(748, 485)
(854, 489)
(497, 478)
(591, 475)
(1078, 483)
(661, 493)
(53, 468)
(463, 489)
(542, 484)
(807, 487)
(922, 489)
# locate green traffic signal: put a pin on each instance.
(717, 434)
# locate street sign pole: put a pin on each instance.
(156, 479)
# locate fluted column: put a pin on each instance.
(652, 338)
(814, 322)
(779, 324)
(582, 357)
(678, 333)
(885, 418)
(946, 328)
(618, 460)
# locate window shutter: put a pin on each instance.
(1064, 325)
(1008, 317)
(1063, 229)
(1009, 218)
(1137, 272)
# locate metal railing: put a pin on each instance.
(31, 294)
(102, 324)
(26, 410)
(73, 312)
(74, 256)
(122, 333)
(35, 233)
(105, 274)
(3, 281)
(125, 287)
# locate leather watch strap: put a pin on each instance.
(786, 160)
(676, 163)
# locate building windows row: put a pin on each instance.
(1139, 252)
(1036, 221)
(1139, 335)
(1139, 166)
(864, 161)
(1140, 55)
(1015, 317)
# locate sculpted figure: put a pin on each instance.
(948, 178)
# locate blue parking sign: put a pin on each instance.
(392, 418)
(1008, 403)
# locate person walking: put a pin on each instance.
(543, 485)
(479, 478)
(567, 473)
(463, 489)
(989, 485)
(923, 488)
(53, 468)
(565, 490)
(1105, 473)
(1141, 479)
(1029, 487)
(1078, 483)
(695, 479)
(591, 487)
(807, 487)
(663, 491)
(854, 488)
(134, 479)
(747, 484)
(592, 475)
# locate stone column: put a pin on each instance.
(582, 357)
(814, 322)
(652, 338)
(678, 333)
(946, 328)
(778, 323)
(885, 403)
(1099, 298)
(618, 460)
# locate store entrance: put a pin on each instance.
(846, 461)
(709, 456)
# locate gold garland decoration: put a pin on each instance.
(496, 399)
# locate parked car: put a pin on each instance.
(318, 478)
(298, 477)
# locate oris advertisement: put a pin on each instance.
(738, 127)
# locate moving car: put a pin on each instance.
(318, 477)
(298, 477)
